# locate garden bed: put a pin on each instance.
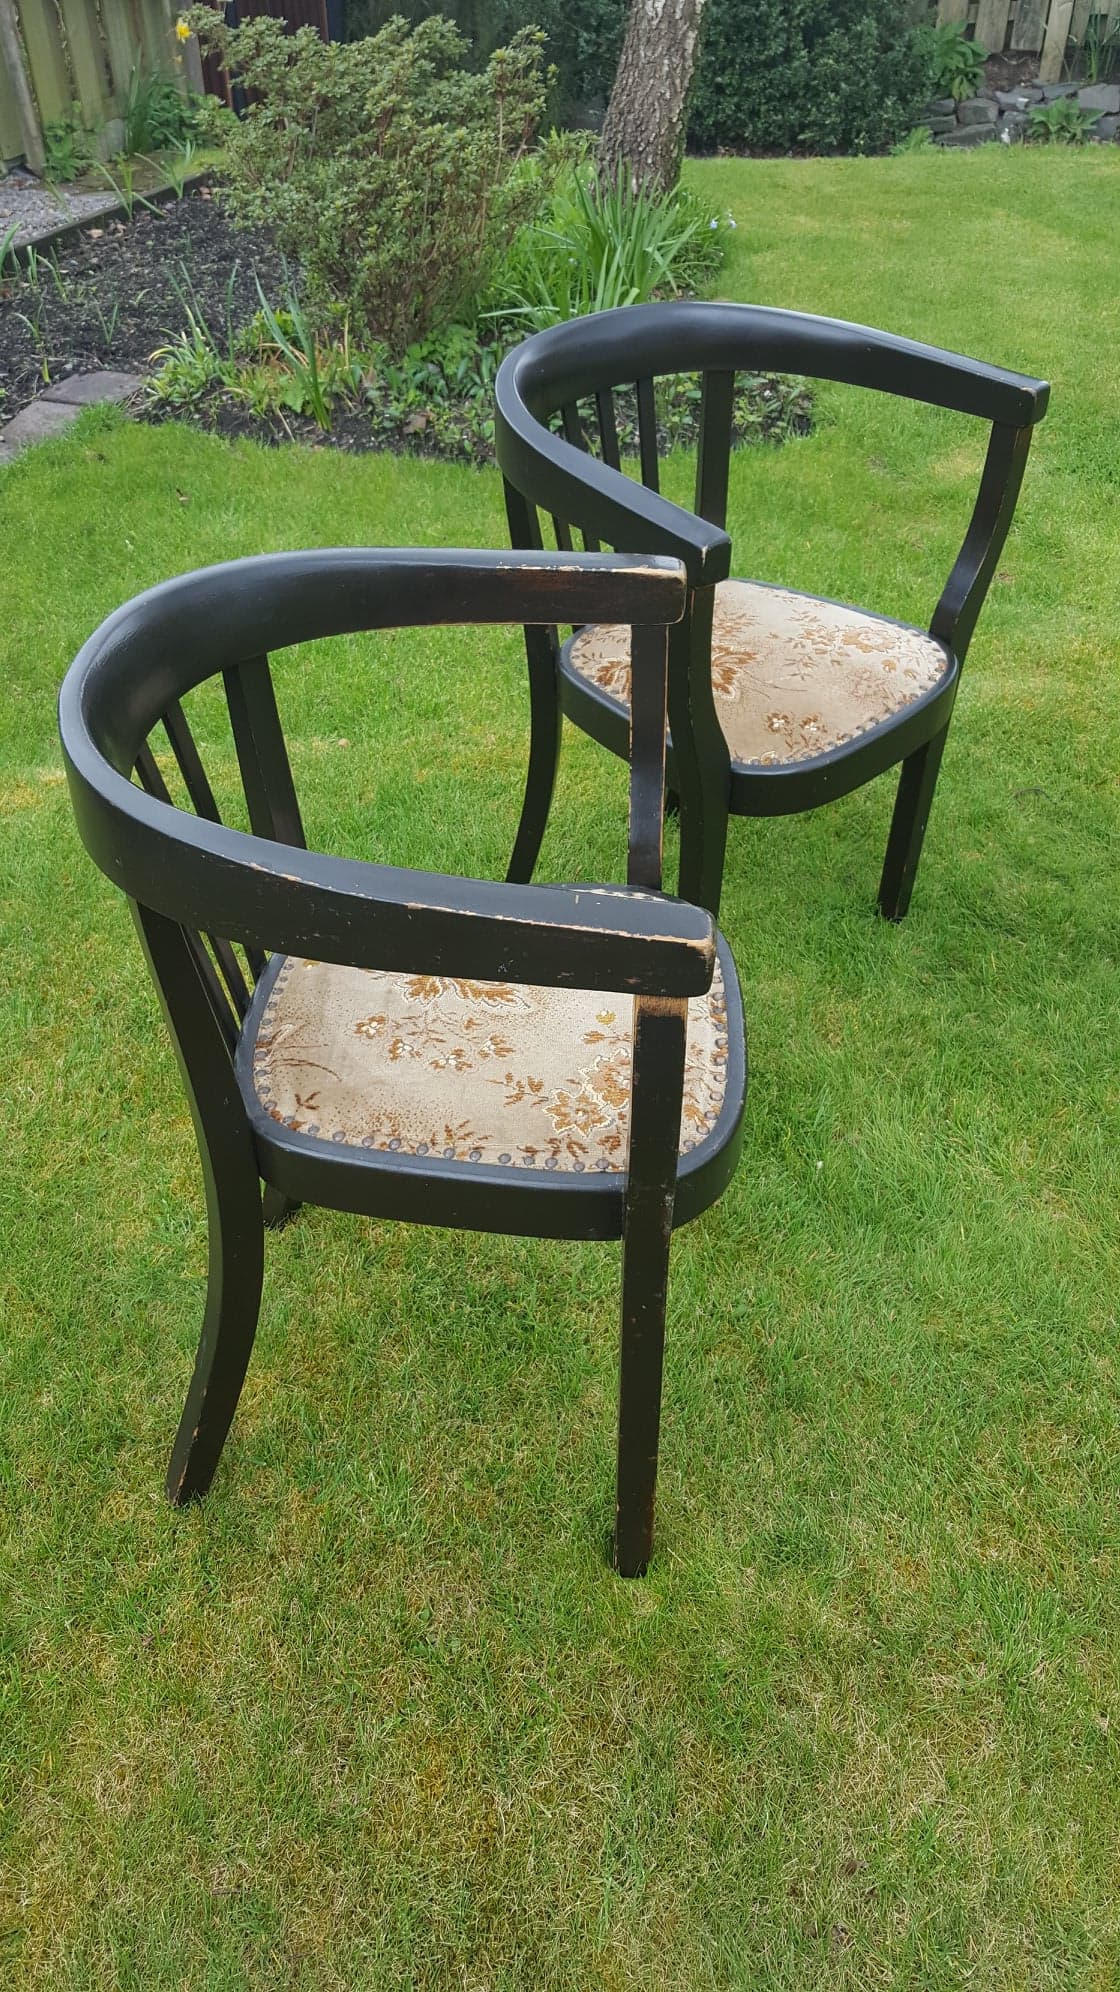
(124, 289)
(183, 276)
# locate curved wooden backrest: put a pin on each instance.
(261, 891)
(571, 373)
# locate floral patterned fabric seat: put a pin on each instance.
(484, 1072)
(792, 675)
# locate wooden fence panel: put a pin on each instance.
(87, 62)
(81, 53)
(11, 133)
(1049, 28)
(1057, 34)
(991, 25)
(122, 46)
(1029, 28)
(46, 62)
(155, 34)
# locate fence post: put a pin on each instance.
(1054, 47)
(11, 48)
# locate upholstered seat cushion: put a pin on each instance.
(792, 676)
(490, 1072)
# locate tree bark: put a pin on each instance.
(644, 129)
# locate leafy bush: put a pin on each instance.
(157, 115)
(384, 167)
(66, 144)
(958, 64)
(918, 140)
(583, 37)
(600, 245)
(1061, 123)
(434, 399)
(808, 76)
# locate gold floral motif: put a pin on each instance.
(792, 676)
(550, 1089)
(432, 988)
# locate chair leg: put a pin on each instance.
(233, 1298)
(657, 1082)
(908, 826)
(544, 755)
(645, 1277)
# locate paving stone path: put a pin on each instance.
(58, 406)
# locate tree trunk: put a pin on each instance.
(644, 128)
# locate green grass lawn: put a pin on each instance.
(376, 1714)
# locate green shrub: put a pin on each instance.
(958, 64)
(67, 146)
(157, 115)
(918, 140)
(583, 37)
(602, 244)
(808, 76)
(387, 170)
(1061, 123)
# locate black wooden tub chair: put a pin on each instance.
(558, 1061)
(778, 701)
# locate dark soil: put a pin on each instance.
(1011, 69)
(351, 428)
(124, 288)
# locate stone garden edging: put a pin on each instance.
(1005, 114)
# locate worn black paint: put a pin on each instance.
(585, 360)
(198, 887)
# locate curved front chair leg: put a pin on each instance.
(204, 1033)
(544, 754)
(916, 785)
(233, 1298)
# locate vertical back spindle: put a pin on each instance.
(713, 455)
(647, 434)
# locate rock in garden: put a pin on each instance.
(1016, 100)
(977, 134)
(1106, 129)
(1052, 90)
(1101, 97)
(86, 390)
(977, 111)
(940, 107)
(936, 126)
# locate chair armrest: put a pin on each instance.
(276, 897)
(551, 472)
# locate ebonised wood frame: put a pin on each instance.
(568, 376)
(216, 908)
